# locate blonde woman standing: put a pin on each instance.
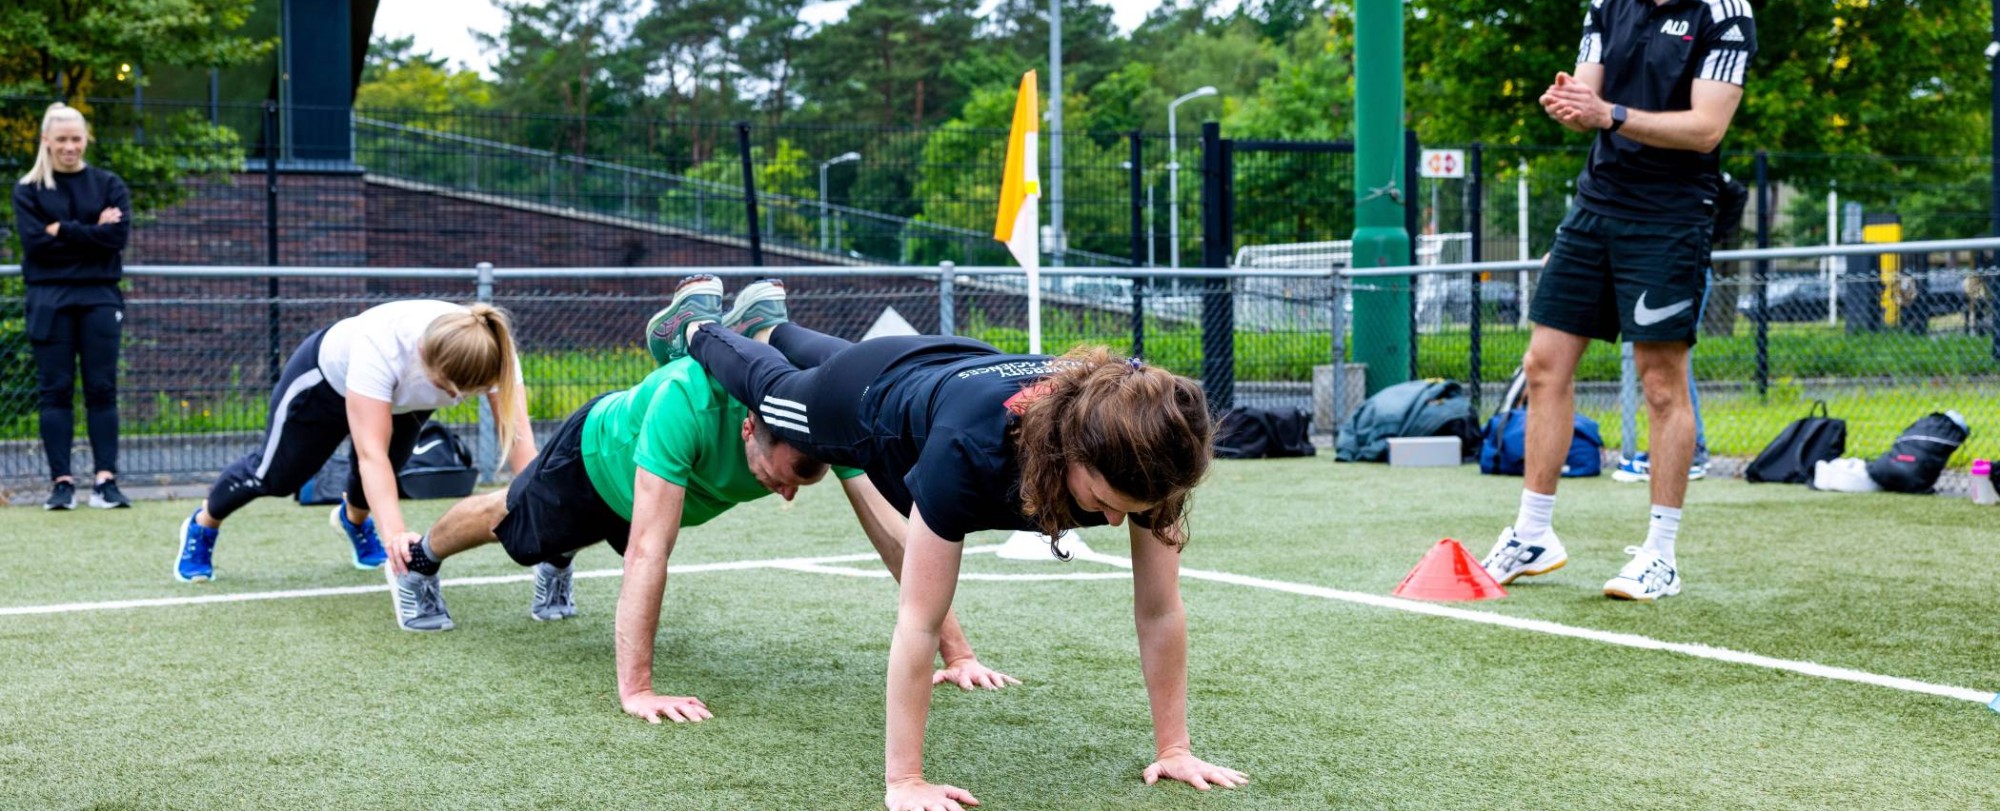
(375, 377)
(74, 219)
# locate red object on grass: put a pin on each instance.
(1449, 573)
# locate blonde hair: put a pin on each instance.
(474, 350)
(44, 172)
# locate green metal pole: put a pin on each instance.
(1382, 315)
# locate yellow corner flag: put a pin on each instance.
(1018, 226)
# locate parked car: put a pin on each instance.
(1924, 294)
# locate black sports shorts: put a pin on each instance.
(552, 508)
(1608, 276)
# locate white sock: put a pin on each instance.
(1661, 533)
(1537, 510)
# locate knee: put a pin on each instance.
(103, 395)
(1666, 389)
(1545, 376)
(59, 397)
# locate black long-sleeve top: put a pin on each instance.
(81, 252)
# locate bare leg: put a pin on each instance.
(468, 523)
(1551, 367)
(1663, 370)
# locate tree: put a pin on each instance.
(883, 63)
(397, 78)
(59, 48)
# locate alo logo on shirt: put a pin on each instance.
(1678, 28)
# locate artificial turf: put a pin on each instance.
(319, 702)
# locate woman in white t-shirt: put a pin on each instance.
(375, 377)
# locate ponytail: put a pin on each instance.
(44, 171)
(475, 351)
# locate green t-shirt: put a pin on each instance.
(680, 425)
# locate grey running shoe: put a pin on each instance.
(554, 598)
(697, 298)
(419, 602)
(759, 306)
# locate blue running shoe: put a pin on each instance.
(368, 552)
(197, 551)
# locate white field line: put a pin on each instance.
(337, 591)
(1607, 637)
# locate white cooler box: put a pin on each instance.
(1425, 451)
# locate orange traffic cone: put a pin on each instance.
(1449, 573)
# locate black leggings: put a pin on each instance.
(808, 386)
(92, 334)
(308, 420)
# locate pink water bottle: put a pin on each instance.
(1982, 483)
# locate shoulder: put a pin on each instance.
(1720, 11)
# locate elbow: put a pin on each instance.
(1710, 137)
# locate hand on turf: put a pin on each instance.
(916, 795)
(1194, 771)
(678, 709)
(969, 673)
(398, 548)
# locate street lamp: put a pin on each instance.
(1174, 175)
(851, 156)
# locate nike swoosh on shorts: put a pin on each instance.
(1645, 316)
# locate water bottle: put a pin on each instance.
(1982, 483)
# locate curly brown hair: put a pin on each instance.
(1142, 428)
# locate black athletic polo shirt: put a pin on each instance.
(939, 422)
(1652, 54)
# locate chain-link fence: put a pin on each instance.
(203, 346)
(1883, 338)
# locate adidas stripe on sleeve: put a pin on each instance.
(1591, 51)
(1731, 40)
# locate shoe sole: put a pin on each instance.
(1619, 595)
(396, 611)
(333, 520)
(1536, 572)
(757, 293)
(108, 505)
(50, 507)
(181, 542)
(1629, 478)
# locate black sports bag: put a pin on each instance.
(1260, 433)
(1789, 458)
(1913, 464)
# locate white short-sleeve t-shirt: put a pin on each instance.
(374, 354)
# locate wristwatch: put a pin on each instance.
(1618, 113)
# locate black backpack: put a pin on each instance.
(1789, 459)
(1261, 433)
(1913, 464)
(440, 466)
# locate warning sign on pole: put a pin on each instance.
(1443, 163)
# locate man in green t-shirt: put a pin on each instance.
(633, 468)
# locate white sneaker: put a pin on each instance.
(1646, 577)
(1512, 559)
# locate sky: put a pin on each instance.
(444, 27)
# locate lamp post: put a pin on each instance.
(1174, 176)
(851, 156)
